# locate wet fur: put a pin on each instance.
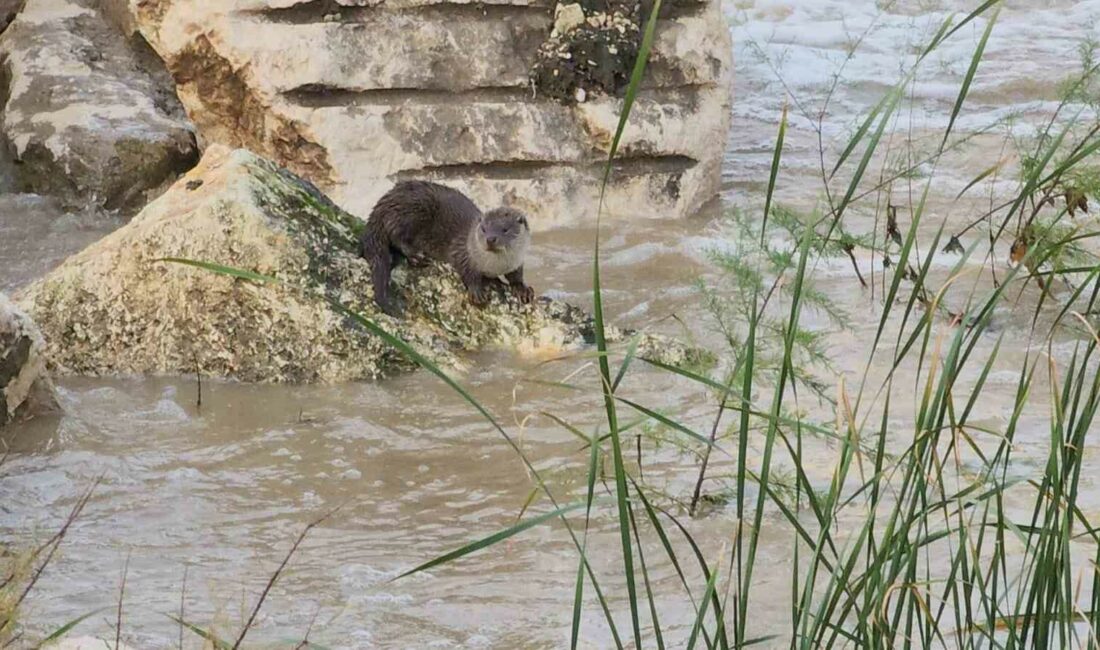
(421, 221)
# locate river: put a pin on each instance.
(219, 492)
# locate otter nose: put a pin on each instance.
(491, 240)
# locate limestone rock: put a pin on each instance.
(568, 17)
(85, 117)
(357, 94)
(117, 307)
(25, 388)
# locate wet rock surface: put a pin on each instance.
(119, 308)
(357, 95)
(87, 117)
(25, 388)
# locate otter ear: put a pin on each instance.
(523, 221)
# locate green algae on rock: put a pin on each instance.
(118, 308)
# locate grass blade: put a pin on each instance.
(970, 72)
(217, 643)
(66, 628)
(672, 424)
(498, 536)
(703, 609)
(774, 172)
(601, 339)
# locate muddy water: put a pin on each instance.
(218, 492)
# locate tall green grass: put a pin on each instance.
(907, 545)
(924, 535)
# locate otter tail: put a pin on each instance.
(374, 248)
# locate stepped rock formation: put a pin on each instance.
(84, 115)
(357, 94)
(117, 307)
(25, 389)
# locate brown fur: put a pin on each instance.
(421, 221)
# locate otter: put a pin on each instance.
(420, 221)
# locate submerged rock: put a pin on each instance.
(356, 95)
(25, 388)
(118, 307)
(85, 117)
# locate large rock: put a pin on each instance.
(25, 388)
(86, 116)
(116, 307)
(356, 94)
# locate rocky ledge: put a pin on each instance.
(507, 100)
(119, 308)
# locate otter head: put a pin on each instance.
(500, 241)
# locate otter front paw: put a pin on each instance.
(418, 261)
(524, 292)
(389, 307)
(479, 295)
